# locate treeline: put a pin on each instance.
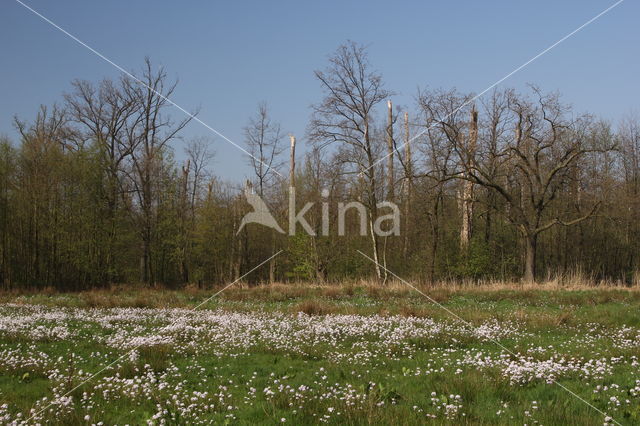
(505, 186)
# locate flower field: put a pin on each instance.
(345, 356)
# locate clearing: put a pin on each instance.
(351, 354)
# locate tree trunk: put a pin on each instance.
(467, 186)
(184, 261)
(372, 203)
(272, 262)
(373, 215)
(376, 248)
(408, 183)
(466, 206)
(488, 219)
(145, 261)
(435, 236)
(531, 243)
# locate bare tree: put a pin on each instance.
(494, 130)
(194, 173)
(200, 156)
(466, 196)
(390, 151)
(265, 144)
(436, 107)
(345, 117)
(407, 183)
(148, 138)
(104, 115)
(533, 166)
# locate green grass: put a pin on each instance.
(391, 380)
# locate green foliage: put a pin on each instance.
(477, 262)
(86, 205)
(299, 251)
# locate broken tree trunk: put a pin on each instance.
(466, 202)
(408, 181)
(390, 179)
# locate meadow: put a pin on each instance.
(350, 354)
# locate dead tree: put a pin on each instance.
(466, 196)
(407, 183)
(390, 151)
(193, 173)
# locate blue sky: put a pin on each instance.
(228, 56)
